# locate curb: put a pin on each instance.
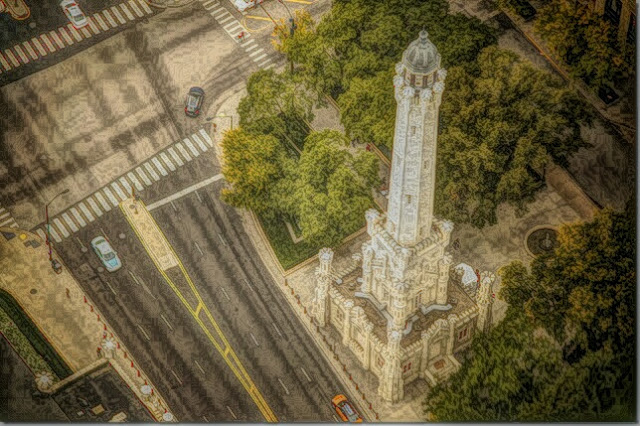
(165, 6)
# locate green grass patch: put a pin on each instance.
(288, 253)
(23, 324)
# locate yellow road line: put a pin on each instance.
(261, 18)
(299, 1)
(197, 312)
(237, 369)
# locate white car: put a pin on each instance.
(243, 5)
(74, 13)
(106, 253)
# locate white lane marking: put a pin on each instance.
(277, 329)
(335, 418)
(7, 221)
(70, 222)
(12, 58)
(135, 181)
(285, 388)
(101, 22)
(270, 66)
(102, 201)
(258, 58)
(222, 240)
(256, 52)
(158, 165)
(4, 62)
(56, 39)
(176, 376)
(174, 206)
(199, 366)
(202, 146)
(74, 33)
(54, 234)
(175, 156)
(94, 207)
(191, 147)
(42, 234)
(78, 217)
(235, 25)
(225, 293)
(198, 195)
(255, 46)
(86, 211)
(224, 19)
(198, 248)
(205, 418)
(146, 8)
(232, 413)
(93, 26)
(110, 196)
(135, 8)
(166, 321)
(144, 332)
(184, 192)
(86, 32)
(166, 161)
(65, 35)
(60, 226)
(24, 58)
(109, 18)
(127, 186)
(152, 172)
(206, 137)
(118, 191)
(30, 50)
(248, 284)
(118, 15)
(183, 151)
(254, 339)
(143, 176)
(38, 46)
(111, 288)
(45, 39)
(127, 12)
(305, 374)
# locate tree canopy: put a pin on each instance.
(500, 120)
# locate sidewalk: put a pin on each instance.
(66, 316)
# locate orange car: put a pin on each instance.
(345, 410)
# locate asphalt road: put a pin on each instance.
(207, 235)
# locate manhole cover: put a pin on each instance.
(100, 269)
(542, 240)
(33, 291)
(122, 236)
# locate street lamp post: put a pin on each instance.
(46, 214)
(293, 27)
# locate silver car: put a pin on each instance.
(74, 13)
(106, 253)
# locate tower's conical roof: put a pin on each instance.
(421, 57)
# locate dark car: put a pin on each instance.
(524, 9)
(194, 102)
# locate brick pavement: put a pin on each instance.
(64, 314)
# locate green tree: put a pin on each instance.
(278, 105)
(500, 122)
(585, 40)
(252, 168)
(330, 188)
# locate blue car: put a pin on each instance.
(107, 255)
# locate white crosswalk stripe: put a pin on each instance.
(116, 12)
(143, 176)
(206, 137)
(209, 4)
(56, 39)
(175, 156)
(42, 234)
(70, 222)
(183, 151)
(135, 8)
(65, 36)
(110, 19)
(126, 185)
(271, 65)
(250, 48)
(232, 26)
(61, 227)
(38, 46)
(85, 32)
(102, 201)
(191, 147)
(221, 11)
(152, 172)
(94, 206)
(101, 22)
(158, 165)
(127, 12)
(118, 191)
(54, 234)
(225, 19)
(110, 196)
(146, 7)
(135, 181)
(263, 63)
(202, 146)
(79, 218)
(168, 162)
(257, 52)
(86, 211)
(74, 33)
(47, 42)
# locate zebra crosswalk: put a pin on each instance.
(6, 219)
(238, 33)
(66, 223)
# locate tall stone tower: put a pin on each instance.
(405, 266)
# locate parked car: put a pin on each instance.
(194, 102)
(345, 410)
(106, 253)
(74, 13)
